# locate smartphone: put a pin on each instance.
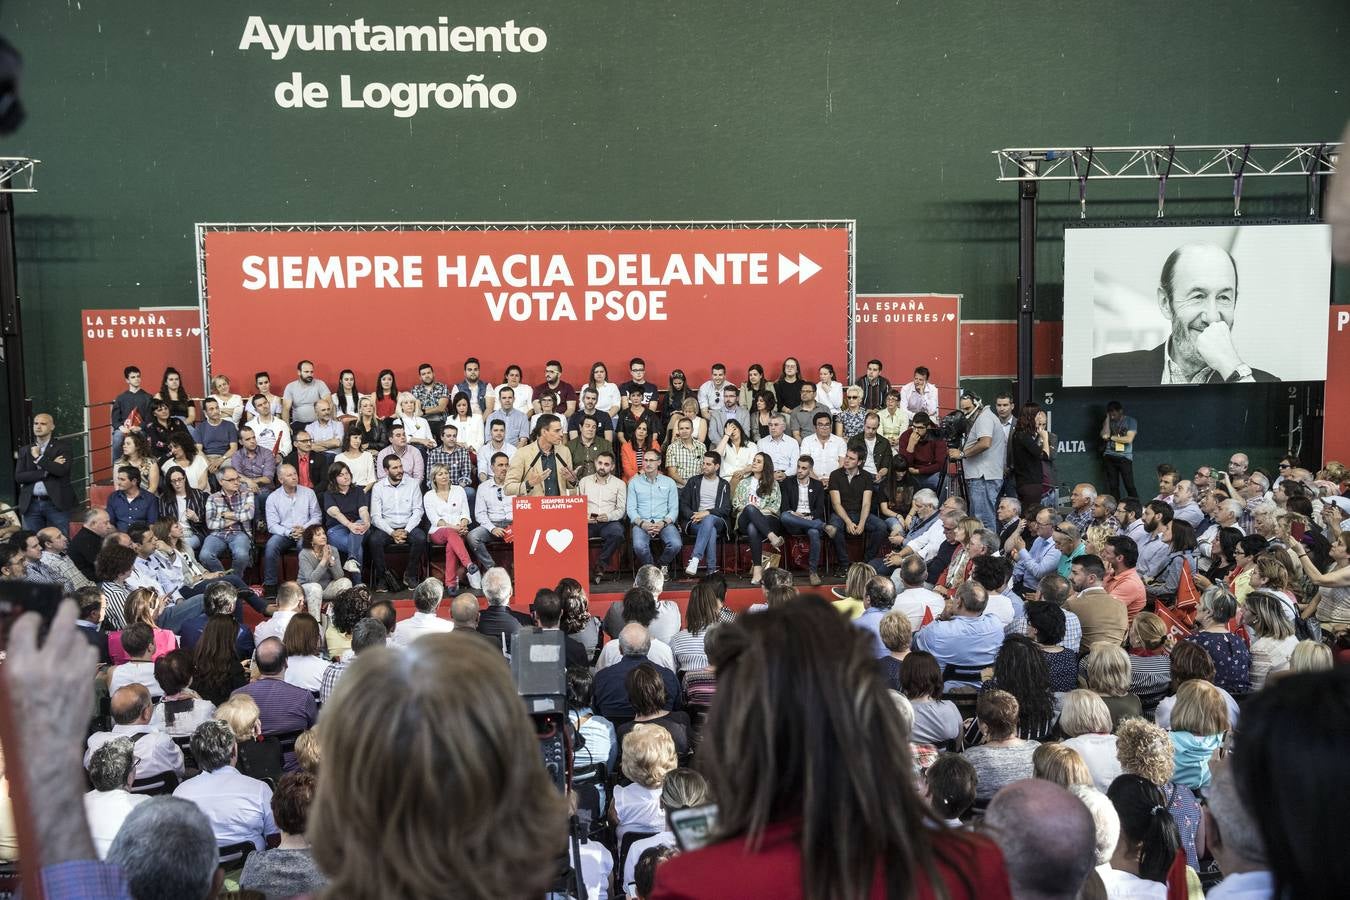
(1297, 530)
(693, 825)
(19, 597)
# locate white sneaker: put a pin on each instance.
(475, 578)
(692, 568)
(352, 566)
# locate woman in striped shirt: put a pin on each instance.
(704, 611)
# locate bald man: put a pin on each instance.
(611, 692)
(156, 752)
(1051, 859)
(42, 472)
(1198, 295)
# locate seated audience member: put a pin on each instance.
(1148, 840)
(948, 785)
(166, 848)
(111, 772)
(1106, 670)
(348, 609)
(1311, 656)
(366, 634)
(648, 756)
(288, 869)
(548, 610)
(1198, 727)
(1120, 555)
(777, 669)
(155, 753)
(87, 542)
(1180, 539)
(1045, 625)
(216, 669)
(90, 600)
(683, 789)
(396, 512)
(1233, 837)
(1055, 589)
(705, 513)
(896, 637)
(290, 598)
(320, 573)
(1020, 670)
(1143, 748)
(604, 423)
(1042, 558)
(937, 721)
(285, 708)
(450, 516)
(348, 508)
(290, 510)
(427, 599)
(705, 611)
(637, 607)
(611, 691)
(360, 462)
(1053, 860)
(255, 465)
(55, 548)
(647, 695)
(653, 510)
(492, 512)
(577, 619)
(239, 808)
(140, 665)
(920, 456)
(850, 501)
(222, 599)
(1229, 651)
(1267, 614)
(1150, 647)
(666, 622)
(129, 504)
(400, 726)
(1085, 722)
(1106, 831)
(143, 605)
(308, 751)
(1104, 618)
(499, 621)
(1061, 765)
(182, 709)
(804, 511)
(302, 643)
(229, 523)
(966, 640)
(1002, 757)
(850, 602)
(916, 601)
(601, 741)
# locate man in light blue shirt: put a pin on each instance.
(516, 422)
(289, 512)
(1153, 550)
(1032, 564)
(653, 508)
(967, 640)
(878, 598)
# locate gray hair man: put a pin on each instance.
(168, 851)
(1052, 860)
(1234, 838)
(427, 597)
(499, 621)
(107, 806)
(237, 807)
(366, 634)
(667, 622)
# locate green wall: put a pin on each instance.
(149, 118)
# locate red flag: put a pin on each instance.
(1180, 622)
(276, 446)
(1176, 878)
(927, 616)
(1187, 593)
(133, 420)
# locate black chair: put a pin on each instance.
(287, 739)
(261, 760)
(155, 785)
(184, 743)
(233, 856)
(626, 844)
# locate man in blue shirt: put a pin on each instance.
(129, 504)
(878, 598)
(289, 512)
(1042, 558)
(966, 639)
(610, 697)
(1118, 433)
(653, 508)
(516, 422)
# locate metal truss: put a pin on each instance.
(1310, 160)
(17, 174)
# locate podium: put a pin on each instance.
(550, 542)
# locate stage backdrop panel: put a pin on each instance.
(909, 330)
(368, 297)
(1336, 409)
(1115, 327)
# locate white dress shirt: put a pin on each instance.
(239, 808)
(395, 506)
(135, 673)
(485, 454)
(155, 753)
(832, 397)
(492, 504)
(418, 624)
(305, 671)
(912, 401)
(914, 602)
(783, 452)
(274, 627)
(659, 654)
(825, 455)
(453, 509)
(106, 811)
(927, 541)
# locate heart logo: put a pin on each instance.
(195, 331)
(559, 538)
(950, 317)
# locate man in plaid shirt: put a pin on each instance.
(455, 457)
(229, 523)
(684, 456)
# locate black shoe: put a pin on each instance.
(388, 582)
(409, 583)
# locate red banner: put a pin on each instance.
(151, 339)
(678, 297)
(550, 542)
(1336, 406)
(909, 330)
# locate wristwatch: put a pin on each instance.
(1241, 372)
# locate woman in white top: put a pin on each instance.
(606, 392)
(231, 405)
(737, 454)
(1148, 841)
(648, 757)
(414, 426)
(1267, 615)
(447, 509)
(689, 410)
(829, 393)
(546, 408)
(304, 665)
(1086, 724)
(183, 454)
(346, 399)
(524, 394)
(468, 422)
(361, 462)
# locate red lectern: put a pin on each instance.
(550, 542)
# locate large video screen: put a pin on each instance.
(1195, 304)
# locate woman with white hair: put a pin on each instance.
(414, 426)
(1086, 724)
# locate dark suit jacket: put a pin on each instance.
(611, 693)
(689, 496)
(99, 639)
(318, 468)
(791, 495)
(1140, 368)
(496, 621)
(55, 475)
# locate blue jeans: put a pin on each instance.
(670, 540)
(277, 544)
(611, 536)
(706, 532)
(42, 512)
(240, 546)
(351, 546)
(983, 500)
(812, 528)
(874, 532)
(174, 617)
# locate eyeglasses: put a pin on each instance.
(1285, 466)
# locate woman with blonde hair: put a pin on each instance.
(143, 605)
(1331, 605)
(1311, 656)
(402, 743)
(1150, 656)
(850, 602)
(231, 404)
(1059, 764)
(897, 634)
(1199, 723)
(648, 756)
(1144, 749)
(1106, 670)
(240, 712)
(417, 429)
(1086, 725)
(1268, 616)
